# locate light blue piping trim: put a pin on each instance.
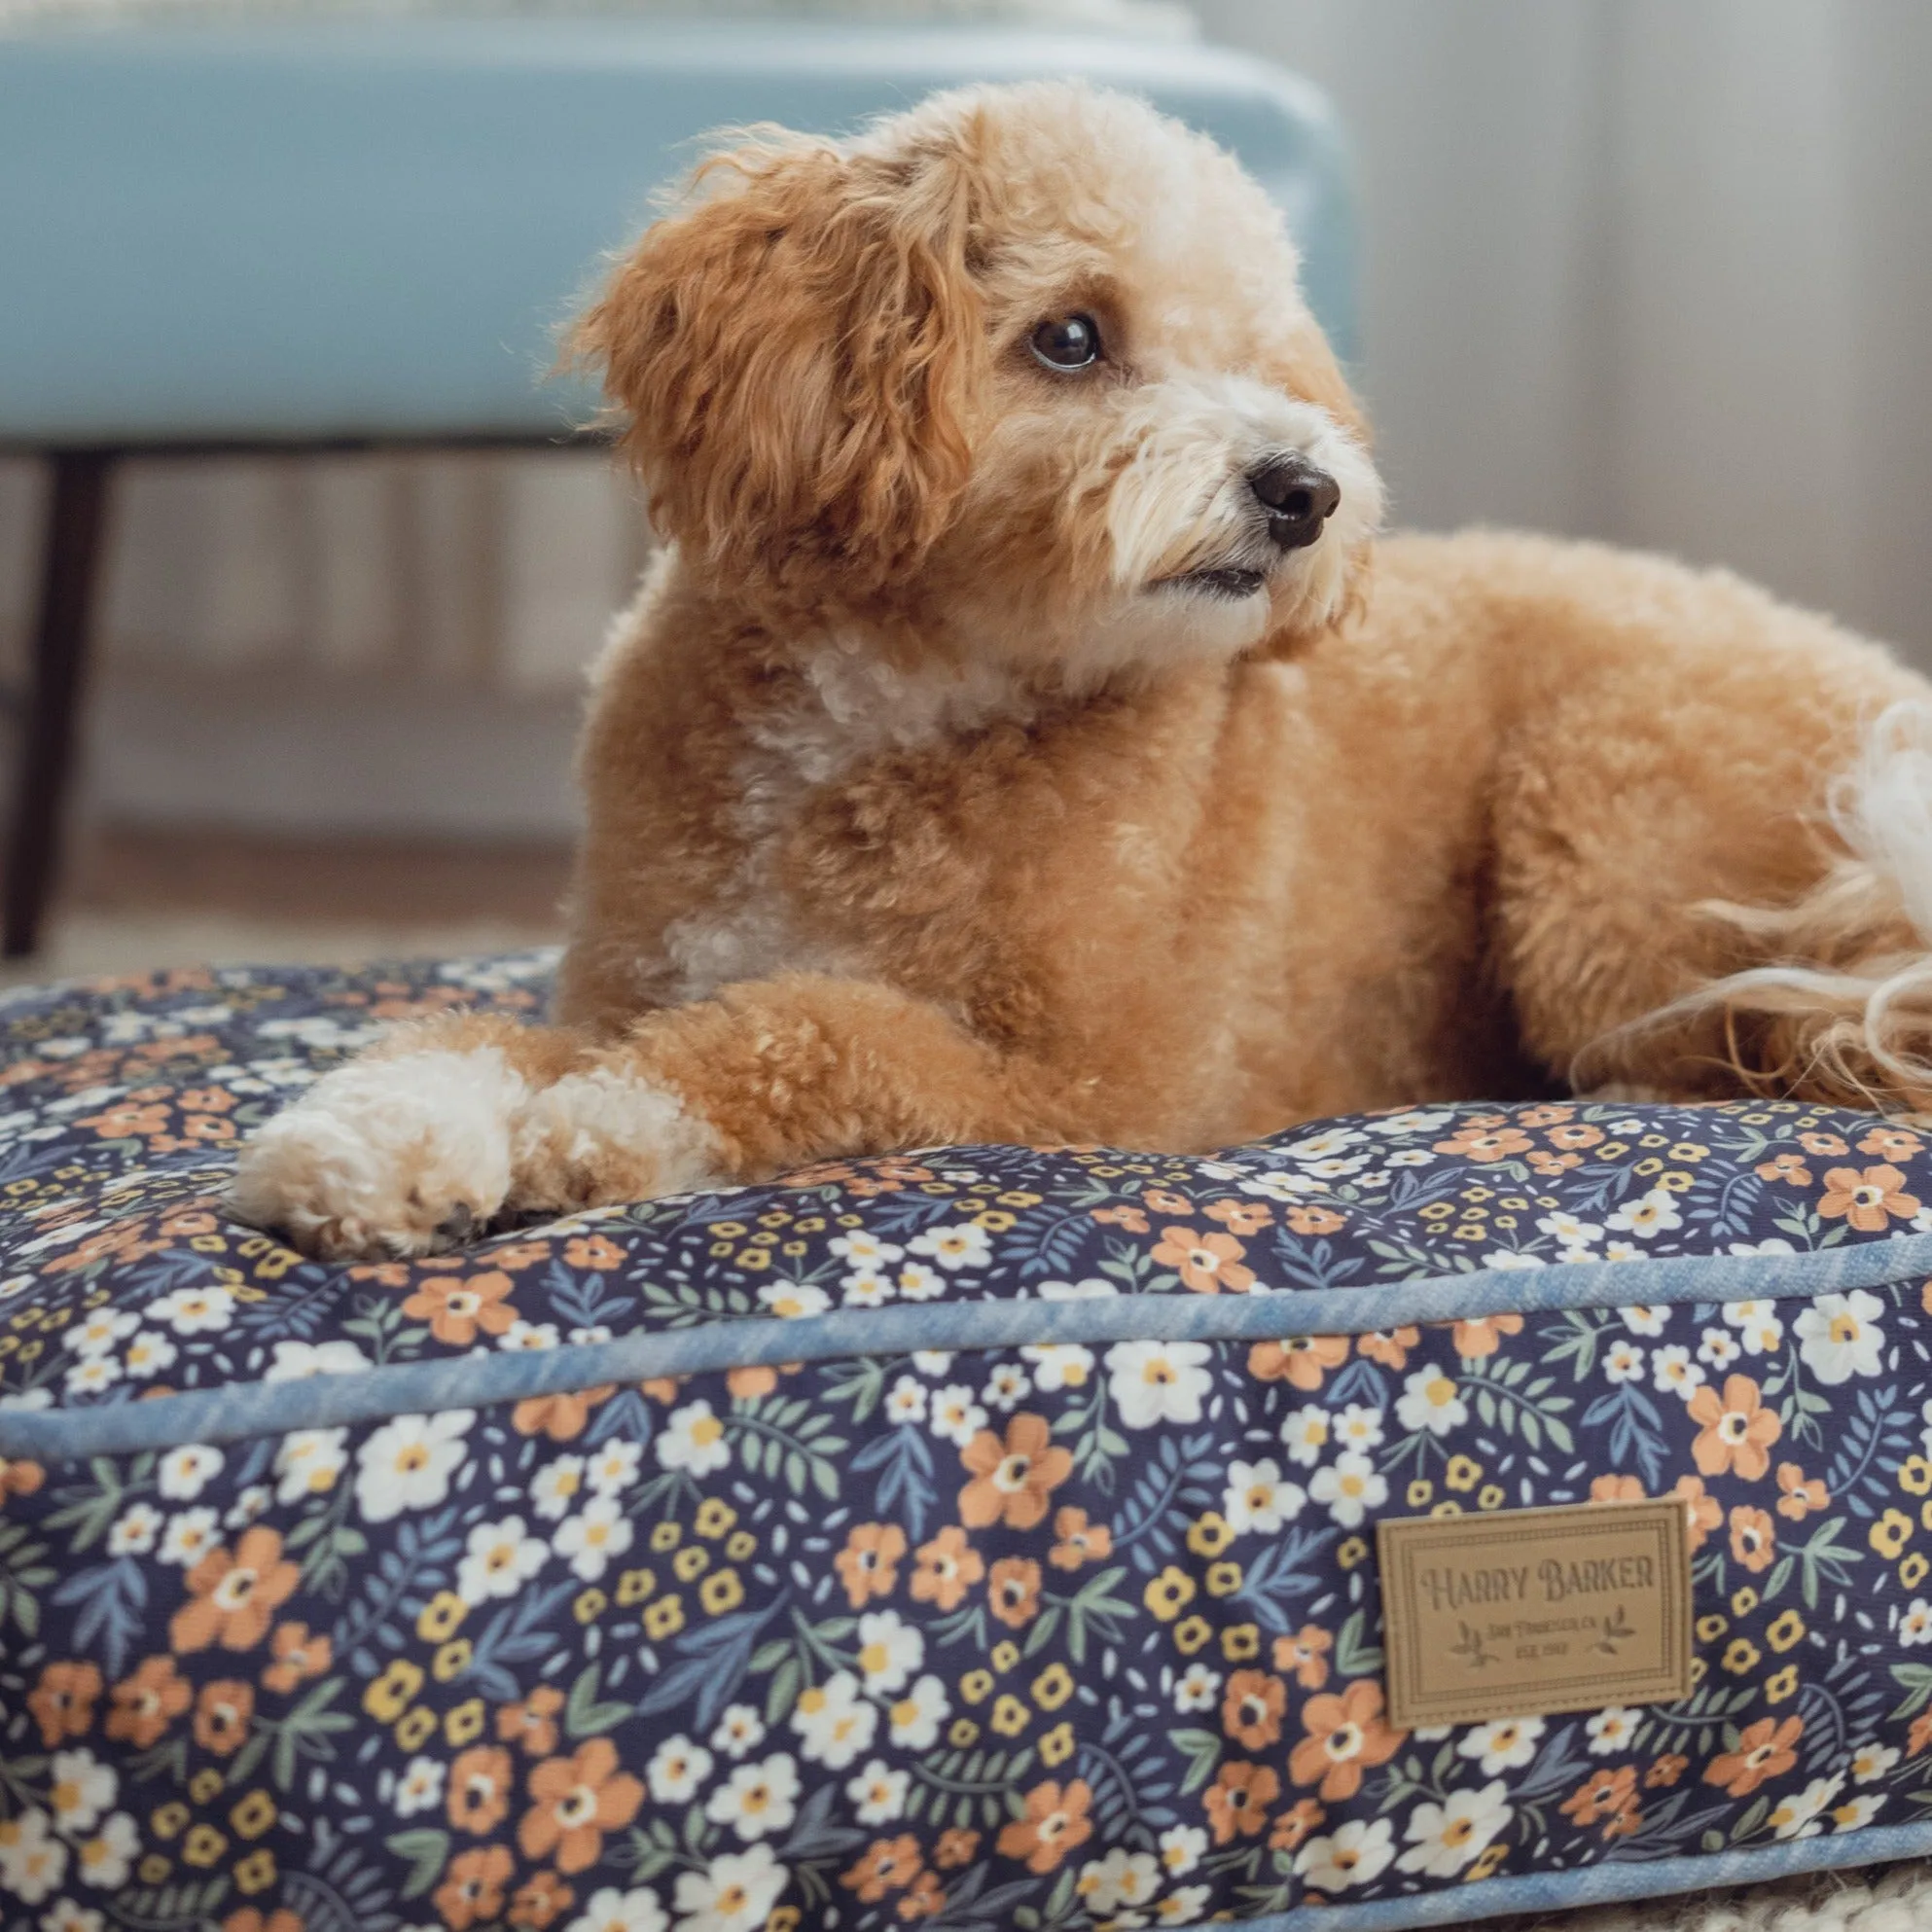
(468, 1381)
(1606, 1884)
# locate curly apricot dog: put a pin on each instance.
(1010, 742)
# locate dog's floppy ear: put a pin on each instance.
(794, 352)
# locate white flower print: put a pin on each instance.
(1157, 1381)
(915, 1718)
(182, 1474)
(676, 1770)
(1507, 1744)
(793, 1300)
(1257, 1500)
(1350, 1488)
(693, 1439)
(594, 1537)
(609, 1909)
(499, 1560)
(734, 1893)
(832, 1722)
(964, 1244)
(407, 1464)
(1058, 1365)
(1647, 1217)
(1839, 1337)
(1430, 1399)
(1447, 1837)
(1351, 1856)
(739, 1729)
(879, 1793)
(193, 1310)
(758, 1800)
(1305, 1434)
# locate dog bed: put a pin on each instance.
(981, 1537)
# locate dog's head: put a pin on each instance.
(1028, 363)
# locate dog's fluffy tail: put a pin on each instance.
(1842, 1012)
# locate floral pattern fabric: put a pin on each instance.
(1046, 1634)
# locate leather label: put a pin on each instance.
(1528, 1612)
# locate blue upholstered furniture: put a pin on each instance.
(335, 232)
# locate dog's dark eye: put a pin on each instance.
(1070, 341)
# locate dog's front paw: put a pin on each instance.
(599, 1137)
(403, 1154)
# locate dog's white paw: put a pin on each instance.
(391, 1157)
(602, 1136)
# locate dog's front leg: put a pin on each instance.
(409, 1147)
(771, 1074)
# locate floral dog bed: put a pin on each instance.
(982, 1538)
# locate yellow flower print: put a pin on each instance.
(1169, 1594)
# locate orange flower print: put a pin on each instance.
(1865, 1200)
(1055, 1821)
(1554, 1164)
(1665, 1771)
(455, 1310)
(889, 1865)
(957, 1847)
(1301, 1361)
(481, 1783)
(1701, 1513)
(869, 1563)
(1295, 1824)
(1604, 1794)
(1477, 1142)
(1347, 1736)
(1920, 1735)
(1789, 1169)
(1238, 1800)
(472, 1888)
(1753, 1538)
(146, 1703)
(577, 1801)
(593, 1251)
(1208, 1262)
(1802, 1496)
(1767, 1749)
(1129, 1218)
(1892, 1143)
(234, 1594)
(1241, 1217)
(1251, 1710)
(1735, 1430)
(532, 1723)
(924, 1898)
(250, 1919)
(18, 1477)
(1012, 1480)
(1080, 1541)
(1388, 1346)
(1306, 1653)
(540, 1899)
(1164, 1202)
(1484, 1336)
(298, 1655)
(221, 1715)
(1311, 1218)
(948, 1566)
(63, 1702)
(1012, 1590)
(1617, 1489)
(1551, 1114)
(561, 1417)
(1577, 1134)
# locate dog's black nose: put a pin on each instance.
(1299, 499)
